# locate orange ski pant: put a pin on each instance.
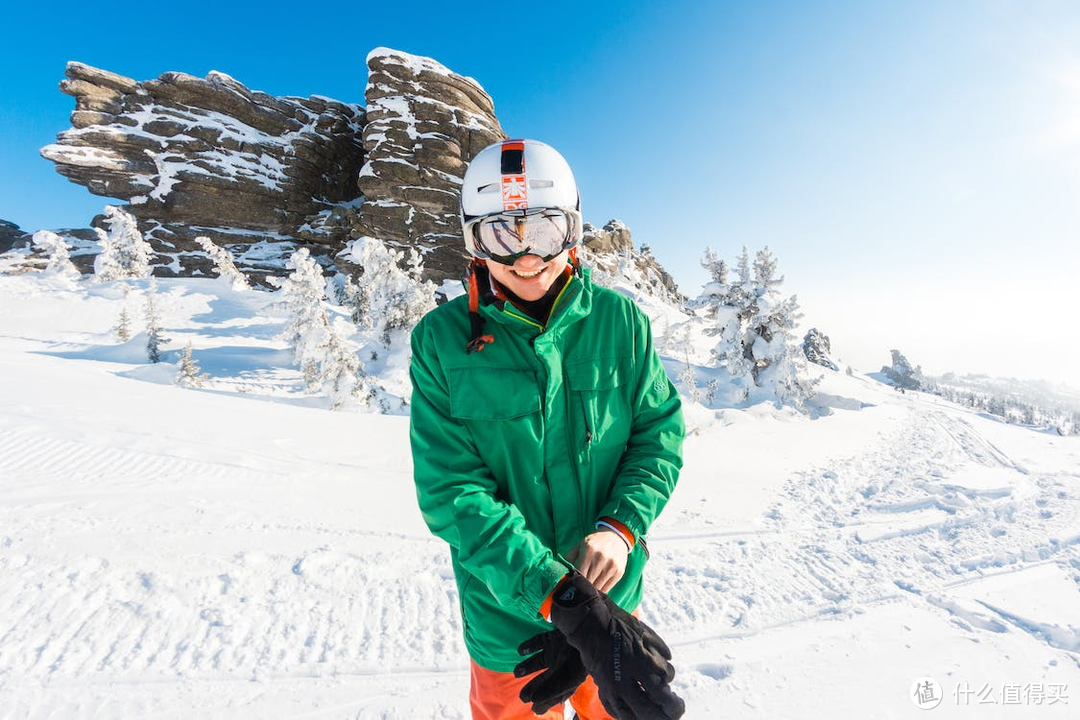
(494, 696)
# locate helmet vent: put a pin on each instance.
(541, 184)
(513, 158)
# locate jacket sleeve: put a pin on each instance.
(651, 463)
(457, 495)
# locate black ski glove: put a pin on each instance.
(563, 671)
(627, 660)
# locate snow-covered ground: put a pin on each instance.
(239, 551)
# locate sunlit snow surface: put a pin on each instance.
(239, 551)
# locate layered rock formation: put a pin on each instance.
(424, 124)
(261, 174)
(210, 157)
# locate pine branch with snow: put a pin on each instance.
(342, 374)
(687, 377)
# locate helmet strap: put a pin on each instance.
(477, 339)
(573, 259)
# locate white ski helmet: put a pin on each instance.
(518, 178)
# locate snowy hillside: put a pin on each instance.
(240, 551)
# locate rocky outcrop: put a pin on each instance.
(208, 156)
(610, 251)
(12, 237)
(817, 348)
(424, 124)
(261, 174)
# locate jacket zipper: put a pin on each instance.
(585, 417)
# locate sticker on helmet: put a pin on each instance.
(515, 192)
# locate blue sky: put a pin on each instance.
(914, 166)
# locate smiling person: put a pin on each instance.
(546, 439)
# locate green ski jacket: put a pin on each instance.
(519, 449)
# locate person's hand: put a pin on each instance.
(562, 673)
(601, 558)
(629, 662)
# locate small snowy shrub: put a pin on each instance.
(188, 371)
(224, 264)
(56, 251)
(124, 252)
(154, 338)
(386, 299)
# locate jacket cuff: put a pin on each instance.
(619, 528)
(552, 574)
(545, 607)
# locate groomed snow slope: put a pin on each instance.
(238, 551)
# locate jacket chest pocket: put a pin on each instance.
(501, 410)
(599, 400)
(493, 393)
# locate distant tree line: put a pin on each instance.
(1012, 401)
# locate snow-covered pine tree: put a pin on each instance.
(123, 323)
(716, 291)
(320, 345)
(755, 325)
(725, 309)
(342, 374)
(154, 339)
(778, 363)
(305, 331)
(386, 299)
(188, 372)
(224, 264)
(58, 262)
(688, 376)
(124, 252)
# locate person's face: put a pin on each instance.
(529, 277)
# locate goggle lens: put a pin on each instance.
(505, 237)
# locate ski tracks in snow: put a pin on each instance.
(117, 567)
(931, 508)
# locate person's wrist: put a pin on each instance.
(610, 524)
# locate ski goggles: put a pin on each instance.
(506, 236)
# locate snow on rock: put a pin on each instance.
(618, 265)
(424, 124)
(190, 153)
(208, 156)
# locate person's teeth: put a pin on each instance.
(528, 274)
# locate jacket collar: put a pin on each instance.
(573, 303)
